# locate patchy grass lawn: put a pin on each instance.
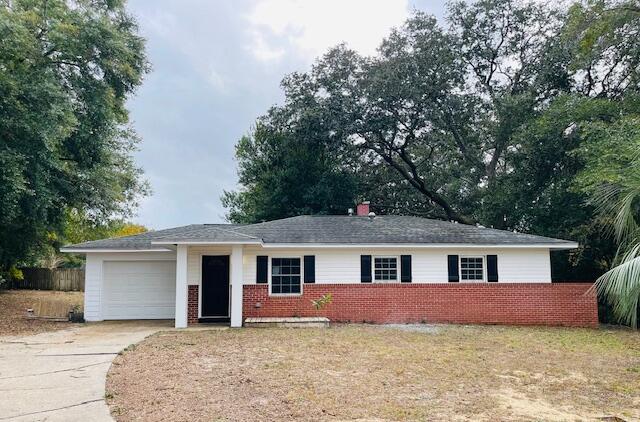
(14, 305)
(365, 372)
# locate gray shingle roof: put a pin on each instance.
(210, 233)
(143, 241)
(329, 230)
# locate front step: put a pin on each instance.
(289, 322)
(213, 320)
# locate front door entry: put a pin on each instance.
(215, 286)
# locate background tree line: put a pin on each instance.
(512, 115)
(66, 171)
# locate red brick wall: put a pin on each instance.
(500, 303)
(192, 305)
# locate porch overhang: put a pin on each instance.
(235, 251)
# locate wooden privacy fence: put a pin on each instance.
(63, 279)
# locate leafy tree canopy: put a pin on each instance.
(613, 182)
(285, 177)
(66, 70)
(78, 228)
(481, 121)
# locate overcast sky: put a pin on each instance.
(217, 65)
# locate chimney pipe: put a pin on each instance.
(362, 209)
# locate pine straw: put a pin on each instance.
(373, 373)
(14, 305)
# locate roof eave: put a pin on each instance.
(205, 242)
(100, 250)
(169, 246)
(570, 245)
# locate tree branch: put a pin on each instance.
(414, 179)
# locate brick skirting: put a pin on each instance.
(566, 304)
(192, 305)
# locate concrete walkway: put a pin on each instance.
(60, 376)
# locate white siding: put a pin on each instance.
(93, 285)
(93, 288)
(428, 265)
(526, 266)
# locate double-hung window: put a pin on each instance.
(285, 276)
(472, 268)
(385, 268)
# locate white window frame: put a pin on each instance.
(484, 268)
(373, 269)
(270, 271)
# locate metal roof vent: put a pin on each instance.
(372, 215)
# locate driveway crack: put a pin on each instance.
(50, 410)
(54, 372)
(81, 354)
(36, 343)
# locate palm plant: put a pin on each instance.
(620, 205)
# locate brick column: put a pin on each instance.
(192, 305)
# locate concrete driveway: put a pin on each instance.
(60, 376)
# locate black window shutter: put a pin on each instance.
(309, 269)
(405, 268)
(262, 267)
(453, 268)
(492, 268)
(365, 268)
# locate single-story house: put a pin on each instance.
(376, 269)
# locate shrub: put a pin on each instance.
(322, 302)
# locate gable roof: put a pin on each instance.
(327, 230)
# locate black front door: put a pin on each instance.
(215, 286)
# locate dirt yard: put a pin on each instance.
(360, 372)
(14, 305)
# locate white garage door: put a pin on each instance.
(139, 289)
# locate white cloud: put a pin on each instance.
(261, 48)
(216, 80)
(188, 36)
(311, 27)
